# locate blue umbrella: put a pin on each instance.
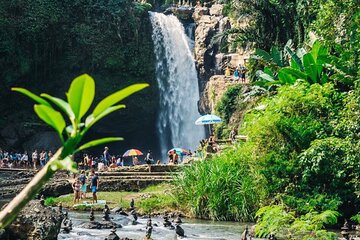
(207, 120)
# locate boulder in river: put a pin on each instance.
(34, 222)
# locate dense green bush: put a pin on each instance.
(290, 121)
(227, 187)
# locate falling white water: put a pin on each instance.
(178, 85)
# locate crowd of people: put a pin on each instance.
(37, 159)
(17, 159)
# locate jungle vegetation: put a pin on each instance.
(299, 170)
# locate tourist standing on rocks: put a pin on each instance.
(94, 185)
(50, 154)
(25, 159)
(90, 161)
(34, 158)
(242, 73)
(227, 71)
(236, 74)
(175, 158)
(83, 184)
(106, 156)
(85, 162)
(42, 158)
(76, 187)
(149, 158)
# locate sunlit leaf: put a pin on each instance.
(32, 96)
(91, 120)
(98, 142)
(81, 95)
(264, 76)
(64, 106)
(117, 97)
(64, 164)
(51, 117)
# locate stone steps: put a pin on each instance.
(138, 176)
(114, 174)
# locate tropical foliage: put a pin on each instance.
(309, 66)
(228, 103)
(223, 188)
(277, 220)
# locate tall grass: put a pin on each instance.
(226, 187)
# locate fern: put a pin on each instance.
(275, 219)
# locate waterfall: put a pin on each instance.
(178, 85)
(190, 33)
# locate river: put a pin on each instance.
(194, 229)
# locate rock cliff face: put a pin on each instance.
(214, 90)
(209, 21)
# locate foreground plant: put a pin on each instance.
(278, 220)
(80, 96)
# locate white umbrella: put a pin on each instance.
(207, 120)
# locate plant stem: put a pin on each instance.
(9, 213)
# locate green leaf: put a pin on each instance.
(319, 51)
(264, 76)
(263, 54)
(276, 56)
(311, 68)
(286, 78)
(91, 120)
(117, 97)
(98, 142)
(64, 106)
(294, 65)
(294, 72)
(32, 96)
(295, 59)
(51, 117)
(315, 49)
(81, 95)
(268, 71)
